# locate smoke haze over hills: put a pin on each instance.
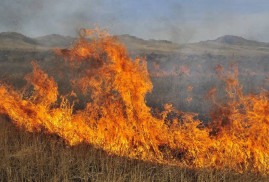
(177, 21)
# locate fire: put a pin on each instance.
(176, 71)
(117, 119)
(189, 99)
(190, 88)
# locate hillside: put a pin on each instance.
(54, 40)
(226, 45)
(235, 40)
(138, 45)
(13, 40)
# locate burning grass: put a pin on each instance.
(117, 120)
(39, 157)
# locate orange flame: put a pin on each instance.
(118, 120)
(176, 71)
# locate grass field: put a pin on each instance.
(39, 157)
(28, 156)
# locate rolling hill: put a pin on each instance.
(225, 45)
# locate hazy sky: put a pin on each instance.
(176, 20)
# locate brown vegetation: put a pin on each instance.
(39, 157)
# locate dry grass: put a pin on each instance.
(39, 157)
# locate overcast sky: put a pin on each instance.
(175, 20)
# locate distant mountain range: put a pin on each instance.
(224, 45)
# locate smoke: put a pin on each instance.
(35, 18)
(181, 22)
